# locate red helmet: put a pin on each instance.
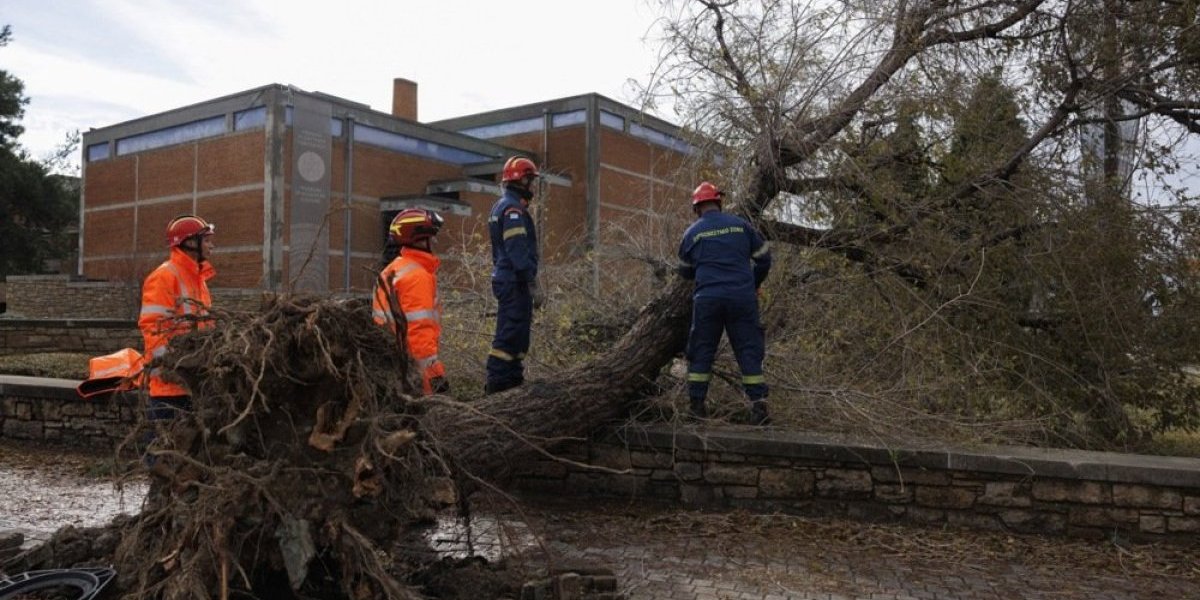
(517, 168)
(185, 227)
(412, 225)
(707, 192)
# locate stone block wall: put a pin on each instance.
(73, 297)
(1093, 495)
(89, 336)
(50, 411)
(1026, 490)
(51, 315)
(70, 297)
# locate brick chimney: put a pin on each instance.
(404, 99)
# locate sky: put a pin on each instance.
(93, 63)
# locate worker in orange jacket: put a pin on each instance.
(174, 296)
(413, 280)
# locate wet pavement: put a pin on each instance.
(660, 552)
(42, 490)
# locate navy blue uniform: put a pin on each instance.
(729, 260)
(515, 264)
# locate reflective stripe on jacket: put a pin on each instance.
(413, 278)
(514, 240)
(177, 288)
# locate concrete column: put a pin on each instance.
(273, 190)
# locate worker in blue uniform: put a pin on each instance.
(514, 274)
(729, 260)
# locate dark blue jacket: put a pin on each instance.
(514, 240)
(725, 255)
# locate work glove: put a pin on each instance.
(539, 296)
(439, 385)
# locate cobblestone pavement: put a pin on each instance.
(663, 553)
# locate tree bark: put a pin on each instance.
(489, 436)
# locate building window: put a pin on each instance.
(97, 151)
(612, 120)
(335, 127)
(250, 119)
(172, 135)
(415, 146)
(487, 132)
(567, 119)
(655, 136)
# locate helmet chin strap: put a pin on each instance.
(521, 189)
(192, 247)
(420, 245)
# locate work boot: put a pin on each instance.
(699, 411)
(497, 387)
(758, 413)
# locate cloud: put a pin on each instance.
(90, 34)
(141, 57)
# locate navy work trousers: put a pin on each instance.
(514, 316)
(159, 410)
(739, 319)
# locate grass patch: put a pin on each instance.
(1175, 443)
(63, 365)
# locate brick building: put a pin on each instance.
(273, 167)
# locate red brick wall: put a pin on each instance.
(231, 161)
(110, 181)
(165, 183)
(165, 172)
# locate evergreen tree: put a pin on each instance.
(36, 206)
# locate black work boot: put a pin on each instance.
(758, 413)
(500, 386)
(699, 411)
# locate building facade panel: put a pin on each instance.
(237, 269)
(230, 161)
(166, 172)
(108, 233)
(128, 269)
(379, 172)
(625, 151)
(110, 181)
(152, 224)
(238, 217)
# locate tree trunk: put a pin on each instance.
(487, 439)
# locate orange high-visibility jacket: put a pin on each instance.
(177, 288)
(413, 278)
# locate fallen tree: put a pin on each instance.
(307, 455)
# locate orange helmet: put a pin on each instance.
(517, 168)
(185, 227)
(412, 225)
(707, 192)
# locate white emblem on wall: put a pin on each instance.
(311, 167)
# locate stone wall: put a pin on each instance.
(89, 336)
(50, 411)
(73, 297)
(61, 313)
(70, 297)
(1095, 495)
(1028, 490)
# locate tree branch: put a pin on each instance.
(845, 243)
